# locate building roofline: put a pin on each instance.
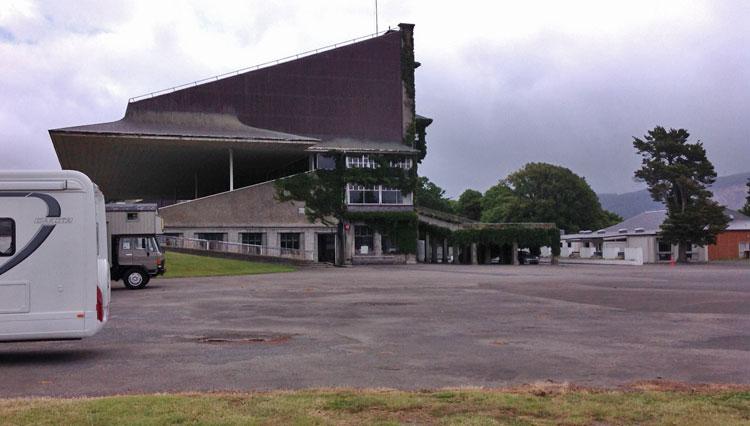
(261, 66)
(311, 141)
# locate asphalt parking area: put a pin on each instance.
(408, 327)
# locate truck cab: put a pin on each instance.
(136, 256)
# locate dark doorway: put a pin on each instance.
(327, 248)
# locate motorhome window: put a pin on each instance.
(7, 237)
(126, 244)
(132, 216)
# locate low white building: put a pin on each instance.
(630, 239)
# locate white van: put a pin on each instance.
(54, 272)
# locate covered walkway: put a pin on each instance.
(448, 238)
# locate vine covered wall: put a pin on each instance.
(400, 226)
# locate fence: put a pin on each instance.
(234, 248)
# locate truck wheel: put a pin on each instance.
(135, 279)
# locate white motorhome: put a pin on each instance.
(54, 272)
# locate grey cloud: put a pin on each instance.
(497, 104)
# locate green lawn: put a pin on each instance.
(180, 265)
(473, 407)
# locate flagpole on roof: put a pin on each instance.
(376, 16)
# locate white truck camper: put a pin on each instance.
(54, 272)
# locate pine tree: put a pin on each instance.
(677, 173)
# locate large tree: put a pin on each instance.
(470, 204)
(746, 210)
(541, 192)
(497, 203)
(677, 173)
(431, 196)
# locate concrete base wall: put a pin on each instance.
(224, 255)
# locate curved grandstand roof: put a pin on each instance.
(176, 145)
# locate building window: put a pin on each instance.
(7, 237)
(361, 194)
(251, 238)
(664, 250)
(363, 239)
(325, 162)
(289, 241)
(211, 236)
(404, 163)
(367, 162)
(132, 216)
(391, 196)
(360, 162)
(375, 194)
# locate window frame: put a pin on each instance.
(298, 242)
(663, 255)
(200, 235)
(131, 216)
(258, 234)
(358, 237)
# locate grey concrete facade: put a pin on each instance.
(253, 209)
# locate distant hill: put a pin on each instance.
(730, 191)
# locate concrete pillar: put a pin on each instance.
(514, 251)
(349, 244)
(377, 243)
(231, 169)
(474, 254)
(427, 249)
(445, 250)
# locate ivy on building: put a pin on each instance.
(408, 65)
(324, 195)
(401, 227)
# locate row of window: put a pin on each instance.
(375, 194)
(366, 162)
(364, 240)
(287, 240)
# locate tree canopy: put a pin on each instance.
(677, 173)
(541, 192)
(470, 204)
(431, 196)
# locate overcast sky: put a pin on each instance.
(507, 82)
